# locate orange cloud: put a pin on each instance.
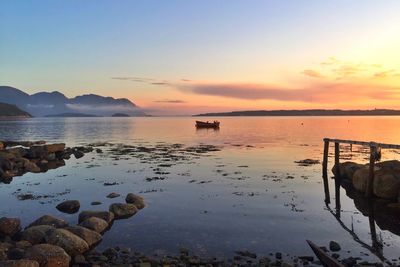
(322, 92)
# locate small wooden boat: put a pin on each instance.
(324, 257)
(206, 124)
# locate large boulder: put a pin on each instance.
(36, 234)
(386, 184)
(347, 169)
(360, 179)
(71, 243)
(122, 210)
(50, 220)
(54, 148)
(69, 206)
(105, 215)
(136, 200)
(96, 224)
(393, 165)
(91, 237)
(19, 263)
(48, 255)
(9, 226)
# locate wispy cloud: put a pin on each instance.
(313, 73)
(323, 92)
(170, 101)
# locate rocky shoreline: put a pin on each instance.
(51, 242)
(18, 158)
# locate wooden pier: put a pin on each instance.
(375, 154)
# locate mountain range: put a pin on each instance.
(54, 103)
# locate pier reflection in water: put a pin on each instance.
(376, 209)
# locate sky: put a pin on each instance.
(181, 57)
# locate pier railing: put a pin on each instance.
(375, 152)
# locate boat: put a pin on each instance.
(206, 124)
(325, 258)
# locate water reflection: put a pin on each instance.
(376, 210)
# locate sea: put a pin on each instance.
(213, 192)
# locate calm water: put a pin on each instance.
(249, 195)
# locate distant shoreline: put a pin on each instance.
(308, 112)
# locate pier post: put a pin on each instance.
(337, 177)
(370, 182)
(325, 171)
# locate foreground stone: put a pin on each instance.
(136, 200)
(122, 210)
(19, 263)
(36, 234)
(50, 220)
(105, 215)
(48, 255)
(9, 226)
(69, 206)
(347, 169)
(96, 224)
(71, 243)
(91, 237)
(387, 184)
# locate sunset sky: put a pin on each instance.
(185, 57)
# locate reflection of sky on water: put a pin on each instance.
(259, 207)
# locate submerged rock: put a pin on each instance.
(9, 226)
(334, 246)
(136, 200)
(69, 206)
(48, 255)
(71, 243)
(50, 220)
(113, 195)
(122, 210)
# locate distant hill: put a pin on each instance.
(307, 112)
(7, 110)
(75, 115)
(49, 103)
(120, 115)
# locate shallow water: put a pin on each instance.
(249, 195)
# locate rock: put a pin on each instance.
(91, 237)
(80, 259)
(136, 200)
(105, 215)
(78, 154)
(347, 169)
(4, 247)
(393, 165)
(111, 254)
(71, 243)
(334, 246)
(122, 210)
(9, 226)
(53, 148)
(31, 167)
(2, 146)
(113, 195)
(23, 244)
(16, 254)
(69, 206)
(360, 179)
(19, 263)
(36, 234)
(95, 203)
(386, 184)
(50, 220)
(96, 224)
(48, 255)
